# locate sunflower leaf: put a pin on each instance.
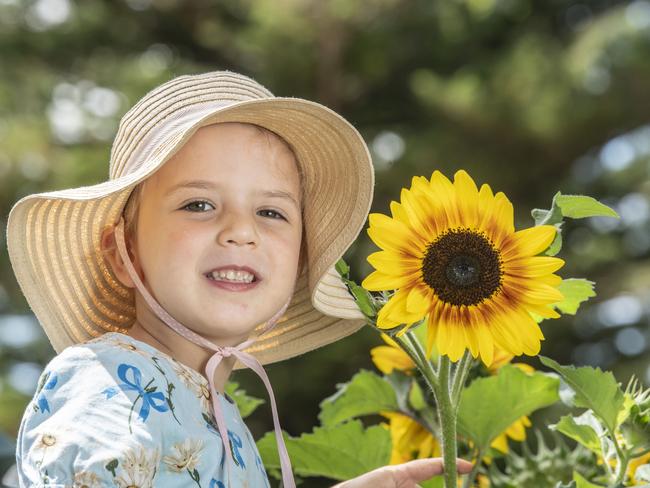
(363, 299)
(581, 206)
(488, 406)
(582, 482)
(337, 452)
(585, 429)
(595, 389)
(365, 394)
(343, 268)
(575, 291)
(435, 482)
(548, 217)
(556, 245)
(245, 403)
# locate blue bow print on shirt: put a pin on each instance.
(149, 394)
(50, 382)
(216, 484)
(235, 445)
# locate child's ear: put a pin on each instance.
(112, 255)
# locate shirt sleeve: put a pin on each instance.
(93, 422)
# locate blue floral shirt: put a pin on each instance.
(115, 411)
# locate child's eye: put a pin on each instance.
(198, 206)
(272, 213)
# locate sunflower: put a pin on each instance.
(390, 357)
(410, 439)
(452, 254)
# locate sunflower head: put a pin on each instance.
(454, 258)
(410, 439)
(391, 357)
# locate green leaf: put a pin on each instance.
(245, 403)
(490, 405)
(556, 245)
(364, 300)
(365, 394)
(584, 429)
(572, 206)
(581, 482)
(548, 217)
(338, 452)
(416, 397)
(342, 267)
(575, 291)
(581, 206)
(435, 482)
(594, 389)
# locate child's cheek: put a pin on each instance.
(182, 245)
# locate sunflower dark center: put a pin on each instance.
(463, 267)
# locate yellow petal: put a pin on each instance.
(503, 217)
(443, 191)
(394, 312)
(471, 339)
(531, 267)
(543, 311)
(416, 217)
(529, 291)
(398, 212)
(528, 242)
(419, 300)
(390, 262)
(517, 431)
(500, 443)
(406, 244)
(378, 281)
(550, 280)
(391, 234)
(388, 358)
(467, 198)
(485, 344)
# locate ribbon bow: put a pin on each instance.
(220, 352)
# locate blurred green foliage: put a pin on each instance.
(530, 97)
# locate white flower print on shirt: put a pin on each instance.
(86, 479)
(137, 469)
(195, 382)
(186, 457)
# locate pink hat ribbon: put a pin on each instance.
(220, 353)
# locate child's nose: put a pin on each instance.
(237, 229)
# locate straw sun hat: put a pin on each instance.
(54, 238)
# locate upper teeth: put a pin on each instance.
(232, 275)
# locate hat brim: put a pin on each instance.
(54, 238)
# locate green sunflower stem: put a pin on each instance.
(447, 414)
(411, 345)
(406, 344)
(460, 376)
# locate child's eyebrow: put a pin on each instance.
(207, 185)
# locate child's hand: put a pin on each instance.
(405, 475)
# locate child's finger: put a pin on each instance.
(423, 469)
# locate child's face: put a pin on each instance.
(230, 197)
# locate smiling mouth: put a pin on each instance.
(232, 276)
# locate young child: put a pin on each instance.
(211, 247)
